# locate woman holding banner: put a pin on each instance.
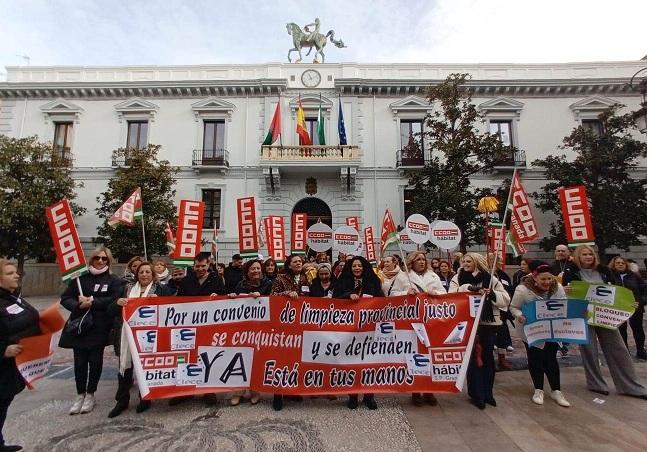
(322, 285)
(473, 276)
(18, 319)
(422, 279)
(586, 267)
(358, 280)
(291, 283)
(623, 276)
(92, 323)
(540, 284)
(146, 285)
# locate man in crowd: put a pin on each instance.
(233, 273)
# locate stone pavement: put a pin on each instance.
(38, 419)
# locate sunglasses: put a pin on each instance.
(100, 258)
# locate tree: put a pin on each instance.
(32, 176)
(459, 152)
(604, 163)
(139, 168)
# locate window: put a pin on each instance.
(410, 134)
(311, 127)
(409, 196)
(137, 134)
(504, 130)
(211, 199)
(594, 125)
(63, 139)
(214, 136)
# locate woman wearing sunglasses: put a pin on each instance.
(89, 324)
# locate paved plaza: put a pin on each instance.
(38, 419)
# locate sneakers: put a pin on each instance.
(538, 397)
(235, 401)
(558, 397)
(77, 405)
(88, 404)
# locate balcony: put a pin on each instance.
(516, 159)
(313, 157)
(216, 158)
(412, 159)
(63, 155)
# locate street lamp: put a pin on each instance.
(640, 84)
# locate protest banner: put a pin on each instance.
(609, 306)
(36, 357)
(299, 223)
(577, 218)
(305, 346)
(69, 252)
(369, 244)
(496, 234)
(275, 233)
(319, 237)
(558, 320)
(188, 239)
(247, 231)
(353, 222)
(418, 229)
(130, 211)
(346, 239)
(522, 220)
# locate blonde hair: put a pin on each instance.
(102, 249)
(4, 263)
(578, 251)
(479, 261)
(412, 256)
(613, 261)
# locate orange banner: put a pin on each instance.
(306, 346)
(36, 357)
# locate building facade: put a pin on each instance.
(211, 120)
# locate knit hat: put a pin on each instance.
(324, 265)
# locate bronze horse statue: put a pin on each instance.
(315, 39)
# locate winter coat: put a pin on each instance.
(105, 289)
(506, 281)
(18, 319)
(428, 282)
(285, 283)
(233, 275)
(633, 282)
(501, 297)
(526, 292)
(345, 287)
(398, 285)
(190, 285)
(516, 279)
(317, 290)
(572, 273)
(264, 288)
(445, 281)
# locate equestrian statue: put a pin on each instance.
(310, 39)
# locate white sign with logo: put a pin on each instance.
(445, 235)
(418, 228)
(345, 239)
(319, 237)
(406, 243)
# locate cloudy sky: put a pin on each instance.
(134, 32)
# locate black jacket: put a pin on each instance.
(558, 267)
(264, 288)
(506, 281)
(572, 273)
(105, 288)
(233, 275)
(317, 290)
(518, 276)
(18, 319)
(190, 286)
(346, 286)
(633, 282)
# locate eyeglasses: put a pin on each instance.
(100, 258)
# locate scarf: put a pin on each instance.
(125, 358)
(96, 271)
(390, 274)
(163, 275)
(480, 280)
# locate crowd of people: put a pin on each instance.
(95, 314)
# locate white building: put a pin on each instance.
(212, 119)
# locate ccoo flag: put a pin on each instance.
(389, 232)
(129, 211)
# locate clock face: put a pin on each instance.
(310, 78)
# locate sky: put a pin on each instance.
(168, 32)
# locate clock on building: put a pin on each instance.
(310, 78)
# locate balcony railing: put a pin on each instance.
(314, 153)
(123, 158)
(63, 155)
(516, 159)
(416, 159)
(210, 157)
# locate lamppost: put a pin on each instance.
(639, 83)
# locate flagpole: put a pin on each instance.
(144, 237)
(505, 218)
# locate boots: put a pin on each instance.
(504, 364)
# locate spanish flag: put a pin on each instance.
(304, 137)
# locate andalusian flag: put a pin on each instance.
(304, 136)
(389, 233)
(170, 240)
(130, 210)
(275, 128)
(321, 134)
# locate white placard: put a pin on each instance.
(346, 239)
(319, 237)
(445, 235)
(418, 228)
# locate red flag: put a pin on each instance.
(522, 220)
(129, 211)
(369, 244)
(275, 232)
(170, 240)
(299, 223)
(275, 127)
(577, 218)
(304, 136)
(247, 231)
(497, 241)
(353, 222)
(69, 252)
(189, 232)
(389, 232)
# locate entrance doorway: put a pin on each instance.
(317, 210)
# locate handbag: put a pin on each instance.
(79, 326)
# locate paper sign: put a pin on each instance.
(609, 307)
